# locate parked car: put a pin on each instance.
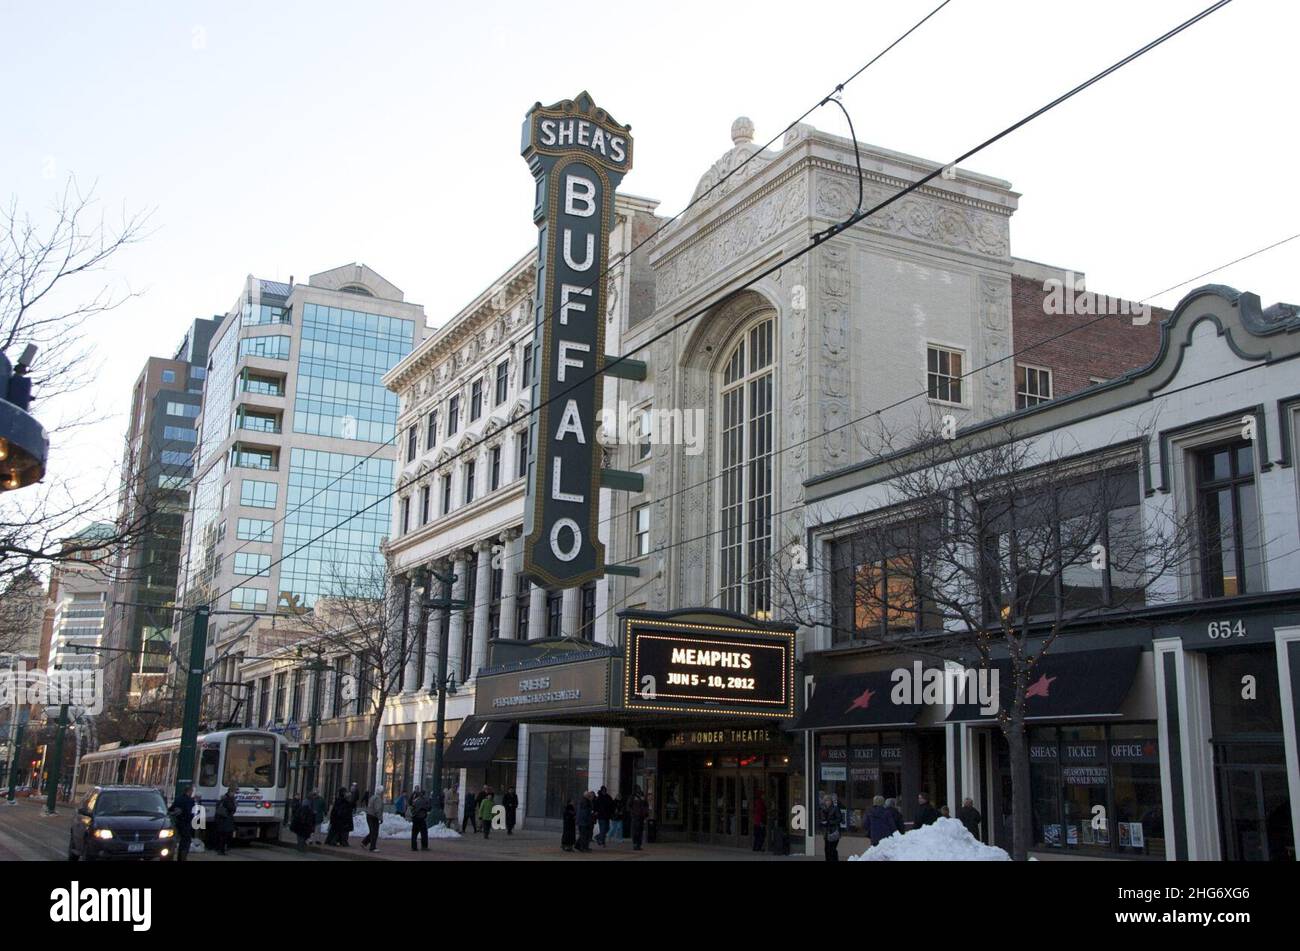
(122, 822)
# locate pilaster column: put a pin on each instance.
(509, 575)
(411, 634)
(482, 600)
(571, 613)
(536, 612)
(433, 630)
(456, 639)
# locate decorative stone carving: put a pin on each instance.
(741, 162)
(995, 312)
(731, 240)
(833, 285)
(920, 216)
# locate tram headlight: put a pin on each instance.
(166, 833)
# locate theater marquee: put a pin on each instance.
(733, 667)
(578, 155)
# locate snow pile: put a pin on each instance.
(945, 840)
(392, 826)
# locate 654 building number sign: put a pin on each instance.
(578, 155)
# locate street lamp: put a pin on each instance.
(317, 667)
(444, 684)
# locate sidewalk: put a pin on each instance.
(526, 846)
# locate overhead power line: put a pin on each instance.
(850, 222)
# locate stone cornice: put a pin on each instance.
(929, 191)
(494, 302)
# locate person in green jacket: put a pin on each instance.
(485, 807)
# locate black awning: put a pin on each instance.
(476, 742)
(851, 700)
(1082, 684)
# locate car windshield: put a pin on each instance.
(130, 802)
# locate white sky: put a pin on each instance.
(284, 139)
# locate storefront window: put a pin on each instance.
(399, 760)
(857, 767)
(557, 771)
(1097, 788)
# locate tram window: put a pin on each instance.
(250, 761)
(134, 767)
(208, 766)
(284, 767)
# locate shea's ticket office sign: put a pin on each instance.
(578, 155)
(723, 665)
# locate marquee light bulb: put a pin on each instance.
(13, 481)
(4, 449)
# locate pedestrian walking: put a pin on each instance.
(340, 819)
(892, 805)
(399, 804)
(970, 817)
(419, 815)
(638, 811)
(603, 806)
(569, 830)
(881, 821)
(471, 813)
(374, 818)
(925, 813)
(182, 813)
(486, 806)
(450, 803)
(224, 819)
(586, 820)
(832, 818)
(758, 819)
(303, 822)
(619, 821)
(510, 802)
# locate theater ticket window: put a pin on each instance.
(1097, 789)
(857, 767)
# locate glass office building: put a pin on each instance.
(324, 489)
(342, 357)
(295, 437)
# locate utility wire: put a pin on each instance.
(848, 223)
(615, 265)
(799, 505)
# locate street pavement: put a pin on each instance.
(27, 835)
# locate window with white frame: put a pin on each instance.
(943, 373)
(747, 391)
(644, 434)
(641, 530)
(1033, 386)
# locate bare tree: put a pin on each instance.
(44, 266)
(987, 545)
(364, 619)
(22, 611)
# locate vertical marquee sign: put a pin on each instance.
(579, 155)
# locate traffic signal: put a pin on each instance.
(24, 444)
